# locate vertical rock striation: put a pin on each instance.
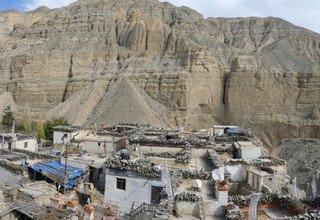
(259, 72)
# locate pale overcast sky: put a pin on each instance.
(305, 13)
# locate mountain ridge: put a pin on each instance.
(249, 71)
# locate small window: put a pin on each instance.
(99, 144)
(121, 183)
(65, 135)
(25, 144)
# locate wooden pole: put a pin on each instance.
(65, 171)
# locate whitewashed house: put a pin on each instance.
(19, 141)
(126, 189)
(100, 144)
(247, 150)
(65, 134)
(89, 139)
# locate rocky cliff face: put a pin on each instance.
(260, 72)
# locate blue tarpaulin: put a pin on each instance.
(232, 130)
(56, 171)
(238, 131)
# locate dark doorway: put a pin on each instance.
(156, 195)
(9, 146)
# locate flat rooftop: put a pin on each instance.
(96, 138)
(89, 159)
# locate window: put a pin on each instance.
(25, 144)
(121, 183)
(65, 135)
(99, 144)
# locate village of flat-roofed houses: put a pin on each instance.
(141, 110)
(136, 171)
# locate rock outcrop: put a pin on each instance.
(250, 71)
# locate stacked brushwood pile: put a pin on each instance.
(214, 158)
(228, 138)
(142, 167)
(183, 156)
(160, 154)
(187, 196)
(266, 198)
(140, 137)
(223, 148)
(196, 174)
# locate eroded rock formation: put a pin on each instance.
(260, 72)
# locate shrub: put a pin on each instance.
(49, 125)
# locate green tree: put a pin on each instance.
(49, 125)
(8, 118)
(40, 130)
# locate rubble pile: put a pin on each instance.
(142, 167)
(196, 174)
(213, 156)
(160, 154)
(183, 156)
(187, 196)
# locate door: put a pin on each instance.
(156, 195)
(9, 146)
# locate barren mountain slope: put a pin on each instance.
(303, 157)
(260, 72)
